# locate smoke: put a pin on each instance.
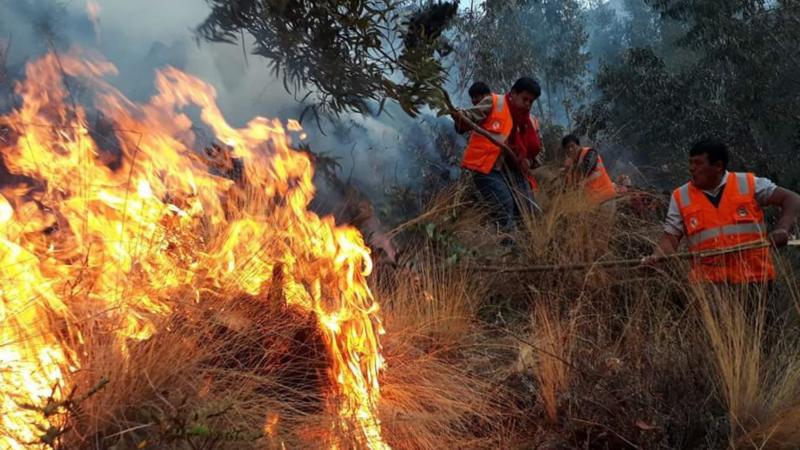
(140, 37)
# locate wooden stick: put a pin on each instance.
(510, 156)
(628, 262)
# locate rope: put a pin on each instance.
(629, 262)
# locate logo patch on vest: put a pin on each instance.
(742, 211)
(693, 222)
(496, 124)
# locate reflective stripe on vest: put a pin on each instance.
(737, 219)
(500, 137)
(684, 193)
(741, 181)
(501, 103)
(596, 173)
(727, 230)
(744, 186)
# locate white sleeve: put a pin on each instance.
(674, 223)
(764, 190)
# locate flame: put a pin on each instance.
(84, 237)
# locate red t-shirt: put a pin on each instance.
(525, 142)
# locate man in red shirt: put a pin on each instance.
(526, 142)
(508, 191)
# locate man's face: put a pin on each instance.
(572, 149)
(522, 100)
(477, 98)
(704, 174)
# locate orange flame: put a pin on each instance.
(86, 237)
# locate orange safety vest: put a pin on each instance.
(737, 220)
(597, 184)
(481, 154)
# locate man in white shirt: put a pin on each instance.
(719, 210)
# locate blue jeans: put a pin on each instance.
(506, 196)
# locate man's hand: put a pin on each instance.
(384, 242)
(666, 246)
(779, 238)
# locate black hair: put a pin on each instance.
(715, 149)
(528, 85)
(570, 138)
(479, 88)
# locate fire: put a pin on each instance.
(123, 223)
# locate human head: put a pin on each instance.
(478, 91)
(524, 92)
(571, 144)
(708, 161)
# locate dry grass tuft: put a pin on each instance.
(755, 363)
(210, 378)
(548, 355)
(433, 393)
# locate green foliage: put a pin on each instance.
(344, 53)
(451, 248)
(544, 39)
(719, 67)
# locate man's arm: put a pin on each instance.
(476, 114)
(667, 245)
(789, 203)
(671, 237)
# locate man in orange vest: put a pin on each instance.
(718, 210)
(485, 160)
(585, 166)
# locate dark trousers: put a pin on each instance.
(507, 195)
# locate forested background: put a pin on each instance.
(642, 79)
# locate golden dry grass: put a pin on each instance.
(433, 393)
(586, 359)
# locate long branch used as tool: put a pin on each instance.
(508, 152)
(629, 262)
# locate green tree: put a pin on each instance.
(737, 80)
(343, 54)
(540, 38)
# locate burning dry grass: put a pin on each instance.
(240, 374)
(168, 302)
(272, 341)
(245, 373)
